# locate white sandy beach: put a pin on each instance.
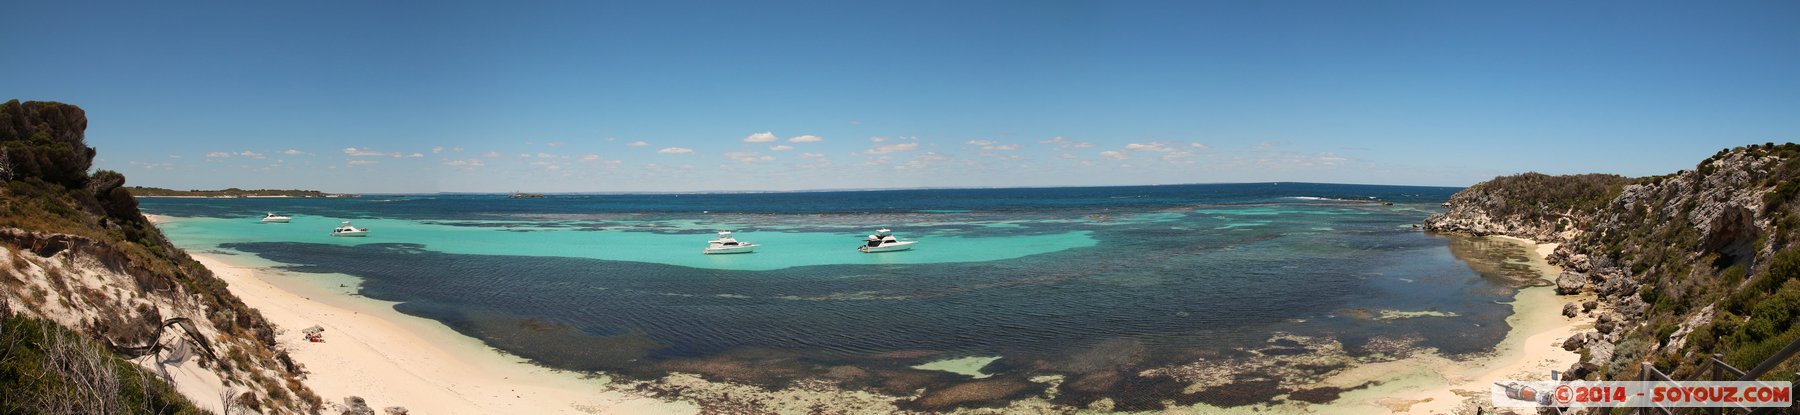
(392, 359)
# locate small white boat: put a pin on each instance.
(884, 241)
(274, 218)
(347, 230)
(728, 245)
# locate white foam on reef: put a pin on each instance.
(966, 366)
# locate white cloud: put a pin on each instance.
(1199, 146)
(781, 148)
(812, 155)
(251, 154)
(762, 137)
(437, 150)
(1113, 155)
(218, 154)
(292, 152)
(362, 152)
(590, 158)
(809, 138)
(638, 143)
(980, 142)
(361, 162)
(877, 139)
(491, 154)
(546, 156)
(409, 156)
(675, 150)
(556, 143)
(1084, 145)
(892, 148)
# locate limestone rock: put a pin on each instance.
(1576, 341)
(1680, 337)
(1570, 310)
(355, 405)
(1599, 355)
(1570, 282)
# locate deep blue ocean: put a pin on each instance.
(1044, 279)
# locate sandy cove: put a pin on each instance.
(393, 359)
(1437, 385)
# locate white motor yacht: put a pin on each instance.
(274, 218)
(884, 241)
(728, 245)
(347, 230)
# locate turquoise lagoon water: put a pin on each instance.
(1095, 284)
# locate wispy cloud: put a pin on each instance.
(362, 152)
(1114, 155)
(992, 145)
(675, 150)
(292, 152)
(491, 154)
(890, 148)
(639, 143)
(437, 150)
(361, 162)
(806, 139)
(781, 148)
(219, 154)
(748, 157)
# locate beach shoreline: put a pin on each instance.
(392, 359)
(1435, 384)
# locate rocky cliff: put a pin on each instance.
(1686, 265)
(75, 251)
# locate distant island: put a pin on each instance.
(140, 191)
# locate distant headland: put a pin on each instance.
(228, 193)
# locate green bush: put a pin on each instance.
(47, 369)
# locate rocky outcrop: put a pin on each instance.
(1663, 256)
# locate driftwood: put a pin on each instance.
(155, 346)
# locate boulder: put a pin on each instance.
(1589, 306)
(1570, 309)
(1575, 342)
(395, 410)
(1575, 371)
(1570, 282)
(355, 405)
(1599, 355)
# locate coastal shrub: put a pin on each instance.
(45, 368)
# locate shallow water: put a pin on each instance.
(1077, 282)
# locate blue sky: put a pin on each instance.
(689, 96)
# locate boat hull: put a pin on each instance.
(730, 250)
(272, 220)
(347, 234)
(900, 246)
